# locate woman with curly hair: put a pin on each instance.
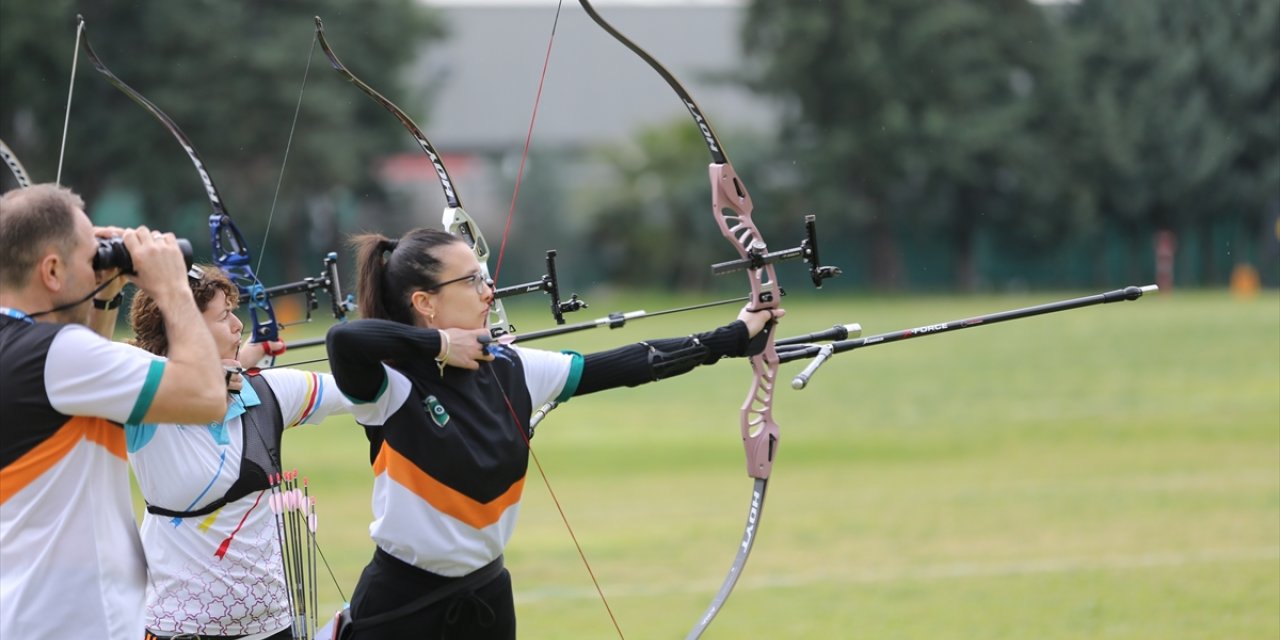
(214, 557)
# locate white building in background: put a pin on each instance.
(475, 90)
(486, 73)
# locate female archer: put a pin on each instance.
(211, 533)
(447, 417)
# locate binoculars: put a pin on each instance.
(112, 254)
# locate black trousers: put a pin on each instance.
(485, 612)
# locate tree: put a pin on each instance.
(1183, 99)
(917, 115)
(230, 75)
(651, 223)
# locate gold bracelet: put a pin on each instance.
(443, 358)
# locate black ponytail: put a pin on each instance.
(389, 271)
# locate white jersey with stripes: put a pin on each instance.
(219, 574)
(71, 565)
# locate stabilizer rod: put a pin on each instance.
(789, 350)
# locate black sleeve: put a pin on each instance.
(358, 348)
(643, 362)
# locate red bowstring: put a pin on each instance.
(556, 499)
(502, 250)
(528, 138)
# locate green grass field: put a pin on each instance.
(1110, 472)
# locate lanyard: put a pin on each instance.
(14, 313)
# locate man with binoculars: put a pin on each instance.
(73, 564)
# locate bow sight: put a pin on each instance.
(327, 281)
(231, 253)
(548, 284)
(758, 256)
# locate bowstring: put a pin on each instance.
(524, 435)
(71, 88)
(528, 138)
(262, 253)
(502, 249)
(282, 536)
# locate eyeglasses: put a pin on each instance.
(477, 281)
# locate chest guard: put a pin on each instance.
(261, 429)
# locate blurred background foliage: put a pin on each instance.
(971, 144)
(229, 74)
(1012, 128)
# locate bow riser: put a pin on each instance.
(731, 205)
(231, 254)
(759, 431)
(460, 223)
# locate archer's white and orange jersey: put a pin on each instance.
(449, 457)
(71, 565)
